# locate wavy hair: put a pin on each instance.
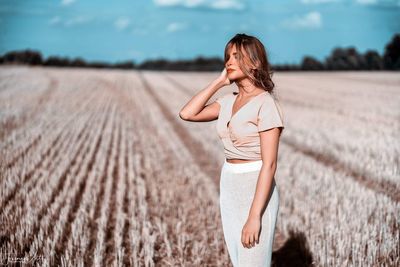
(253, 62)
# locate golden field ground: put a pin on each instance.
(97, 169)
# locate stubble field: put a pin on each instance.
(97, 169)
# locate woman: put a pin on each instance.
(249, 124)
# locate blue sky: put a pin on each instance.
(137, 30)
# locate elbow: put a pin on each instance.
(271, 165)
(183, 116)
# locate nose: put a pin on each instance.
(228, 63)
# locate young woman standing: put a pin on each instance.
(249, 125)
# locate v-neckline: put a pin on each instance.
(231, 115)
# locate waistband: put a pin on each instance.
(243, 167)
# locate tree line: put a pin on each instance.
(339, 59)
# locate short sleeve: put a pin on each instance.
(221, 100)
(270, 115)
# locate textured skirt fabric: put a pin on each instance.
(237, 189)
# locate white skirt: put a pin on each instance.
(237, 189)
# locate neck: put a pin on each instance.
(246, 88)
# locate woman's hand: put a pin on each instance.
(250, 232)
(223, 78)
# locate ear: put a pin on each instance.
(254, 69)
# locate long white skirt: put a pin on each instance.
(237, 189)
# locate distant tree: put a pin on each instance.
(99, 64)
(339, 59)
(27, 56)
(153, 63)
(197, 64)
(207, 64)
(391, 57)
(373, 60)
(357, 60)
(285, 67)
(310, 63)
(57, 61)
(345, 59)
(125, 65)
(78, 62)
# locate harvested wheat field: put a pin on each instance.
(97, 169)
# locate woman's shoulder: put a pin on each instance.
(269, 98)
(270, 106)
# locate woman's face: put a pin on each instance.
(232, 66)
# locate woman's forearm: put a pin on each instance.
(263, 189)
(198, 101)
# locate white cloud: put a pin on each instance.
(226, 4)
(366, 2)
(383, 3)
(78, 20)
(176, 26)
(311, 20)
(212, 4)
(55, 20)
(121, 23)
(67, 2)
(167, 2)
(318, 1)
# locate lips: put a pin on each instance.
(230, 70)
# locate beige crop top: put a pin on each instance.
(240, 133)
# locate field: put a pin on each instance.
(97, 169)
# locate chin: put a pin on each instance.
(232, 76)
(235, 77)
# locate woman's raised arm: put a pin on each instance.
(195, 109)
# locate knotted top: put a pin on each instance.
(239, 132)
